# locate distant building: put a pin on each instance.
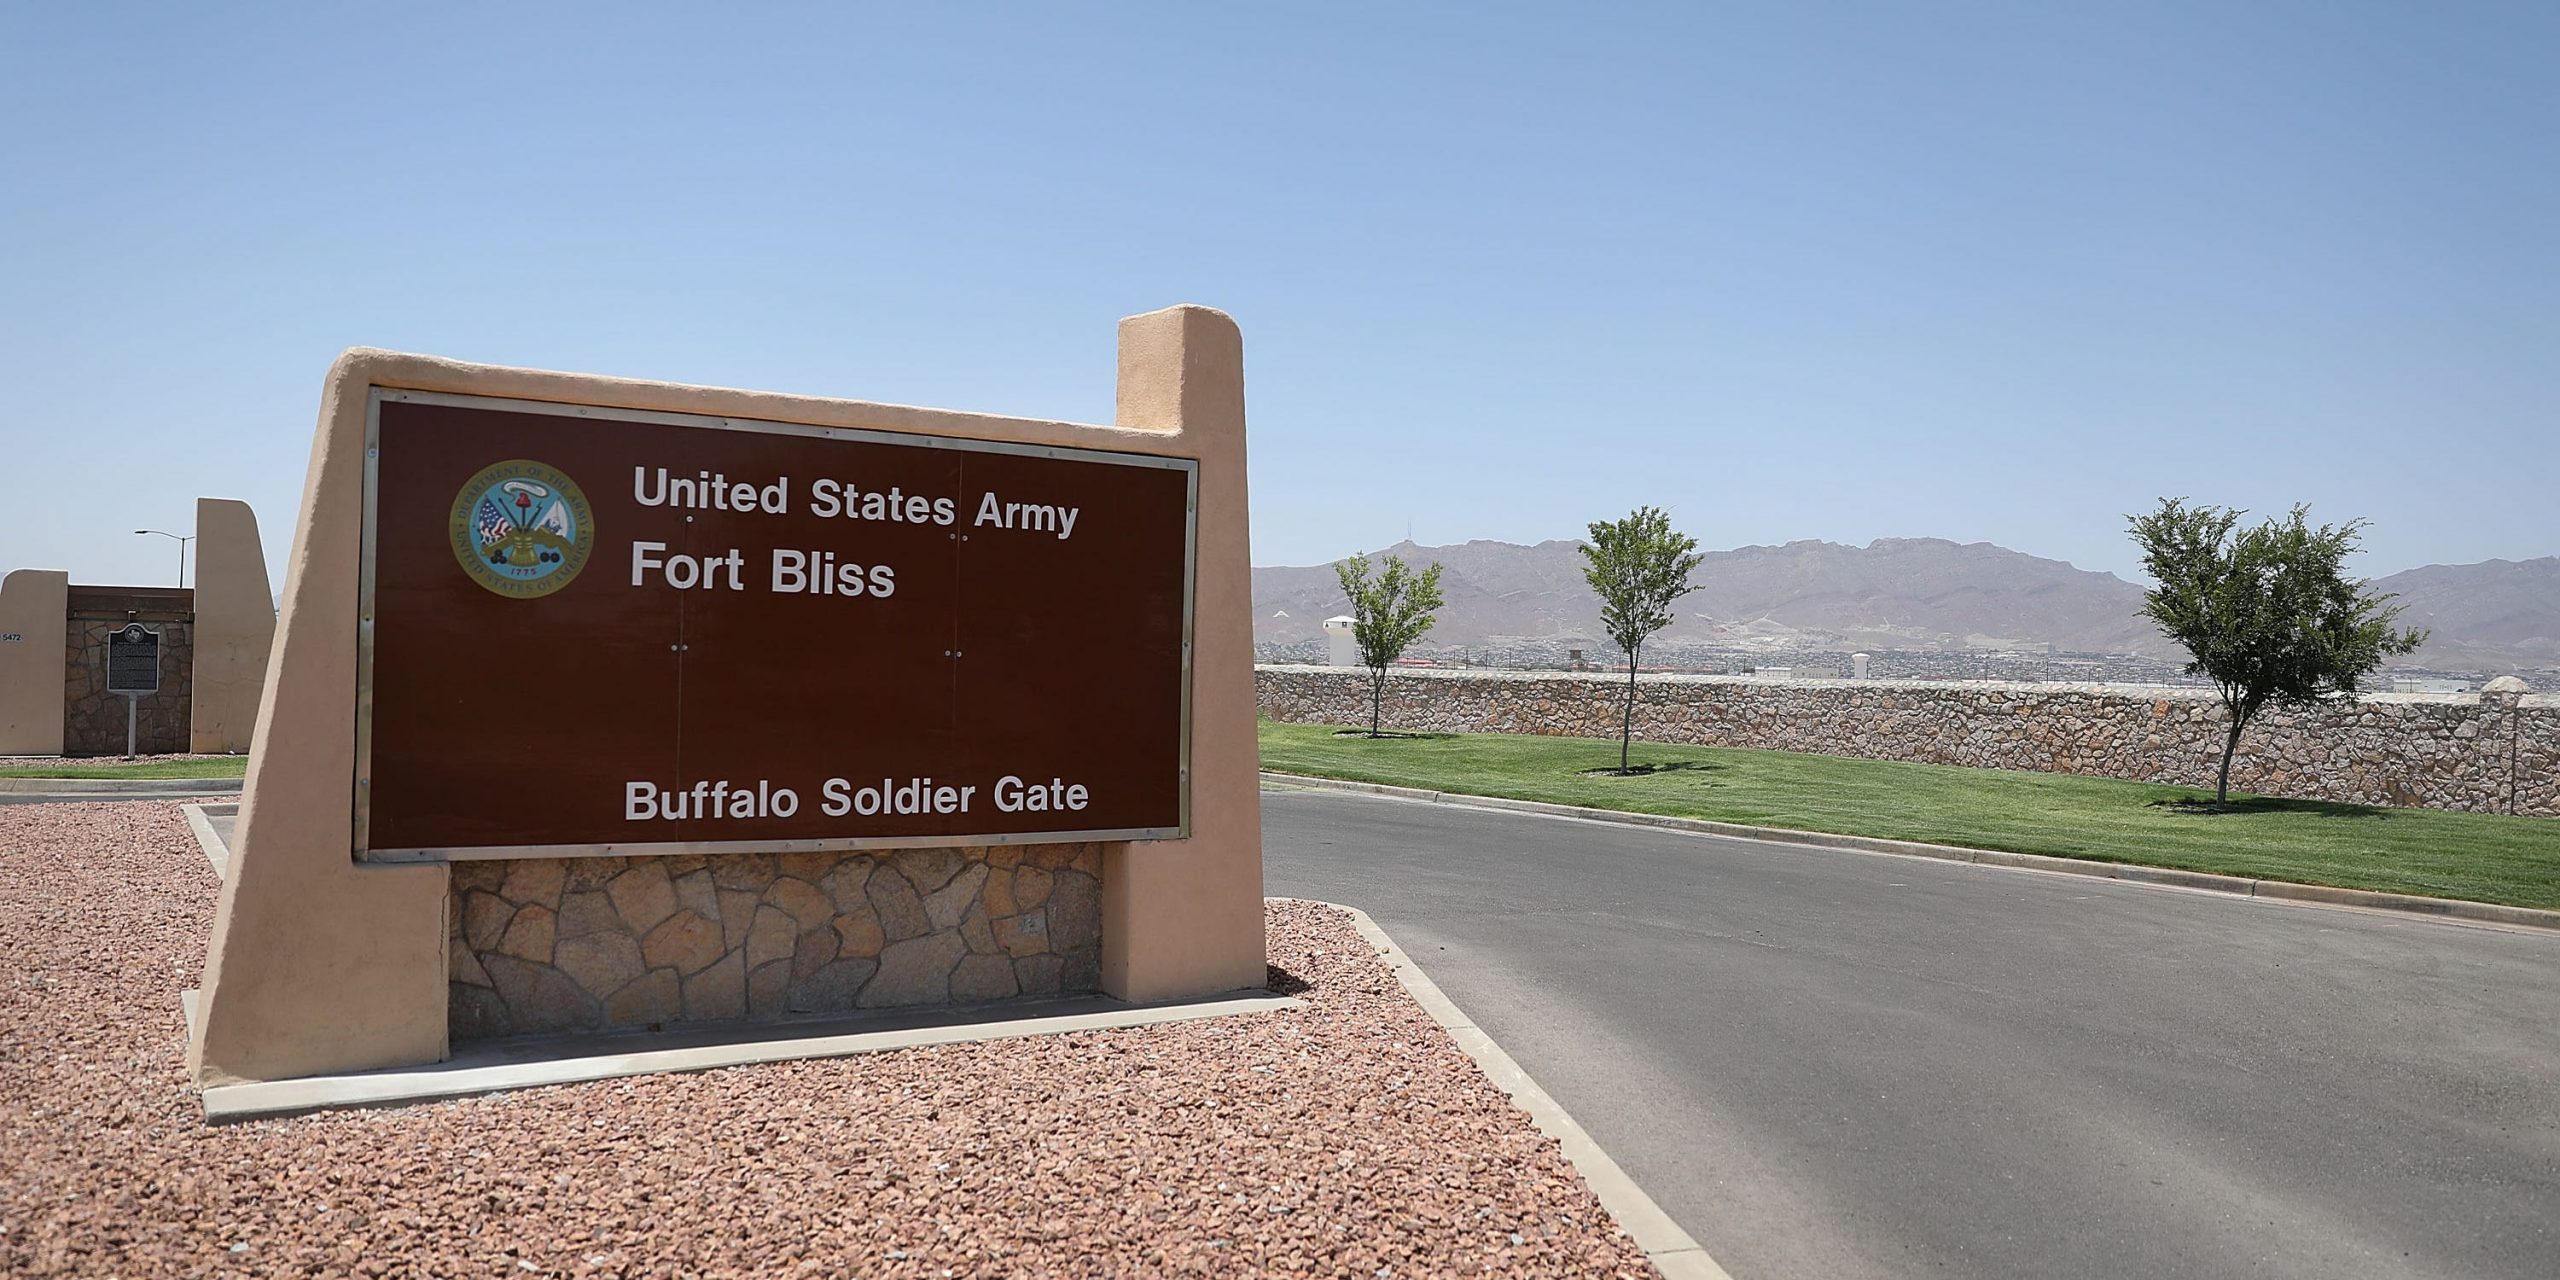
(2428, 684)
(212, 644)
(1342, 648)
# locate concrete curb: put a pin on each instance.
(2241, 886)
(614, 1056)
(200, 821)
(120, 786)
(1673, 1252)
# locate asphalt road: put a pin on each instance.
(1831, 1064)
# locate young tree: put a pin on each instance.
(1639, 566)
(2268, 613)
(1388, 613)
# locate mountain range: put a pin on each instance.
(1900, 594)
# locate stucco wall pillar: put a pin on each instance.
(235, 625)
(318, 963)
(1184, 917)
(34, 606)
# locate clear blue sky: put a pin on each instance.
(1793, 271)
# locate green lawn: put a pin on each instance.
(219, 767)
(2482, 857)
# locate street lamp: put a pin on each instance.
(182, 552)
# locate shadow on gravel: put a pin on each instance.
(2271, 804)
(1284, 983)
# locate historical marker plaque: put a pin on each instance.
(600, 631)
(133, 661)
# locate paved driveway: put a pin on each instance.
(1831, 1064)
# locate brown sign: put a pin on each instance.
(603, 631)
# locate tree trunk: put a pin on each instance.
(1627, 721)
(2230, 743)
(1377, 697)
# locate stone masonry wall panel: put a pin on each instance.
(2485, 753)
(588, 944)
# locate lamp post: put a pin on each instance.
(182, 551)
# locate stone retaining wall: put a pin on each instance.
(2485, 753)
(580, 944)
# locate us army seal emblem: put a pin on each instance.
(521, 529)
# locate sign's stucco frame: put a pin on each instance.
(322, 963)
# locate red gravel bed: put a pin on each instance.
(1349, 1137)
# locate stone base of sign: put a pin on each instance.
(321, 964)
(590, 944)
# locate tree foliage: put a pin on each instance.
(1639, 566)
(2267, 613)
(1388, 613)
